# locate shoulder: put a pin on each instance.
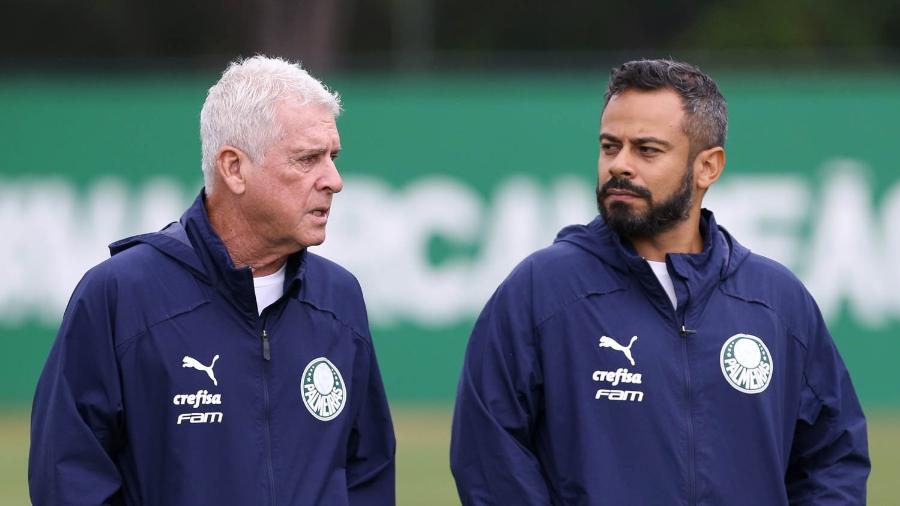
(133, 266)
(330, 287)
(567, 264)
(557, 276)
(323, 273)
(138, 288)
(138, 262)
(145, 269)
(560, 251)
(764, 281)
(756, 278)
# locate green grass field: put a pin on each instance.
(423, 475)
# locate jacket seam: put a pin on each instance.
(357, 334)
(563, 307)
(145, 330)
(790, 331)
(806, 369)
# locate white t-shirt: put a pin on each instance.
(662, 274)
(269, 288)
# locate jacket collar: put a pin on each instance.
(695, 275)
(236, 284)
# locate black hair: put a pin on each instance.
(706, 114)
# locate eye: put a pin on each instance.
(609, 148)
(648, 150)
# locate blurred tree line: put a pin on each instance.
(430, 34)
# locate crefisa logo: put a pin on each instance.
(746, 363)
(323, 391)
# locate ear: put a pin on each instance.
(231, 167)
(708, 166)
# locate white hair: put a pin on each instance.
(240, 109)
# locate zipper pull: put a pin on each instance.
(267, 352)
(686, 331)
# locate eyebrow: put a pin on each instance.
(312, 151)
(637, 140)
(651, 140)
(608, 137)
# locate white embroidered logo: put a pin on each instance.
(746, 363)
(323, 390)
(608, 342)
(193, 363)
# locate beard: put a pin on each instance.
(658, 218)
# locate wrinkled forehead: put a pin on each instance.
(658, 113)
(305, 127)
(293, 117)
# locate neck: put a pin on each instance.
(685, 237)
(244, 246)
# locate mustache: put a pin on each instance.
(620, 183)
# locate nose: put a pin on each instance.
(331, 180)
(620, 165)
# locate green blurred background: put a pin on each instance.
(470, 138)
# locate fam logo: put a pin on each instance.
(746, 363)
(323, 390)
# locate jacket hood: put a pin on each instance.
(171, 241)
(192, 242)
(721, 251)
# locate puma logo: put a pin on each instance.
(193, 363)
(608, 342)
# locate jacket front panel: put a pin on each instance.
(225, 423)
(601, 413)
(673, 404)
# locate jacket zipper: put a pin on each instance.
(690, 416)
(267, 357)
(685, 333)
(266, 351)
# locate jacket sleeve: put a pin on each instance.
(371, 450)
(498, 401)
(76, 419)
(829, 461)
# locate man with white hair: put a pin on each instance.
(218, 361)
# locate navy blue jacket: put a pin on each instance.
(582, 385)
(165, 387)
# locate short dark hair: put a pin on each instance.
(706, 114)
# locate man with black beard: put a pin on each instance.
(648, 357)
